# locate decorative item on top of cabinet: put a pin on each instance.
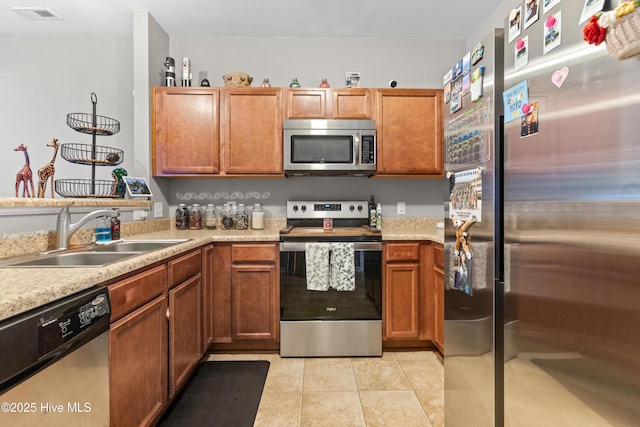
(327, 103)
(410, 132)
(48, 171)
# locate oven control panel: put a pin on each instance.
(327, 209)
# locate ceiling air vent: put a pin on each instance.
(36, 13)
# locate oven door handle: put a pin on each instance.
(357, 246)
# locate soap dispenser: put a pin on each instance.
(103, 231)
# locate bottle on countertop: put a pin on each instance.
(182, 217)
(195, 217)
(379, 217)
(103, 231)
(115, 228)
(241, 217)
(210, 217)
(372, 213)
(257, 217)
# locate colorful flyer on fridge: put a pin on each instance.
(465, 198)
(514, 99)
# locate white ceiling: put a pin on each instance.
(415, 19)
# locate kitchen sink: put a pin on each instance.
(70, 259)
(90, 256)
(134, 245)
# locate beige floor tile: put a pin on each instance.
(417, 355)
(392, 408)
(275, 358)
(279, 410)
(329, 376)
(331, 409)
(284, 377)
(432, 402)
(423, 374)
(380, 375)
(386, 355)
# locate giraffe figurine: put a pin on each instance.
(47, 171)
(25, 175)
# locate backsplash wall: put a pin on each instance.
(423, 197)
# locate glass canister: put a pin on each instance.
(257, 217)
(210, 217)
(241, 217)
(226, 221)
(195, 217)
(182, 217)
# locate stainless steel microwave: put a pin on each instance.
(329, 147)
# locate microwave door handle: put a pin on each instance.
(356, 149)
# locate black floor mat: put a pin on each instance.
(225, 393)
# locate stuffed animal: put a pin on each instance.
(462, 235)
(237, 79)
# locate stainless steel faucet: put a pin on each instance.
(65, 229)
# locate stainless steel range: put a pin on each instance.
(330, 281)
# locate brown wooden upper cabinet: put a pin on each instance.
(217, 131)
(320, 103)
(186, 131)
(409, 131)
(252, 131)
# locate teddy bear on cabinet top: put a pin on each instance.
(237, 79)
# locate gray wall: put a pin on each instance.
(48, 77)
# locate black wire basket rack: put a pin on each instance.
(86, 188)
(92, 123)
(85, 154)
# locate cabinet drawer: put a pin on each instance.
(438, 256)
(131, 293)
(180, 269)
(402, 252)
(254, 253)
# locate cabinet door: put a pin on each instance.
(306, 103)
(409, 131)
(352, 104)
(185, 331)
(253, 131)
(138, 365)
(186, 131)
(221, 296)
(254, 302)
(401, 301)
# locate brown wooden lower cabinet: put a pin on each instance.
(413, 305)
(254, 307)
(138, 365)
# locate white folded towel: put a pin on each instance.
(317, 266)
(343, 269)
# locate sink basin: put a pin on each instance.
(90, 256)
(134, 245)
(72, 259)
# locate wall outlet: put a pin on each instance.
(157, 210)
(401, 208)
(139, 215)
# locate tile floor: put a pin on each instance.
(398, 389)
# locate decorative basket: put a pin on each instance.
(92, 123)
(86, 188)
(84, 154)
(623, 36)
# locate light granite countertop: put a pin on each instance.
(26, 288)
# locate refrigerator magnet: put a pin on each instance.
(477, 53)
(456, 102)
(521, 53)
(466, 84)
(559, 76)
(514, 99)
(591, 7)
(515, 24)
(456, 70)
(466, 64)
(531, 12)
(447, 77)
(548, 4)
(552, 32)
(447, 92)
(477, 78)
(529, 124)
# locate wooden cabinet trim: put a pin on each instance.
(401, 252)
(135, 291)
(254, 252)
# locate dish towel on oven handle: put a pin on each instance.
(342, 274)
(317, 266)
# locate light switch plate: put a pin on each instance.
(401, 208)
(157, 210)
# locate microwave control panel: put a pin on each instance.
(368, 150)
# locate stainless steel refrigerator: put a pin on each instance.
(542, 319)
